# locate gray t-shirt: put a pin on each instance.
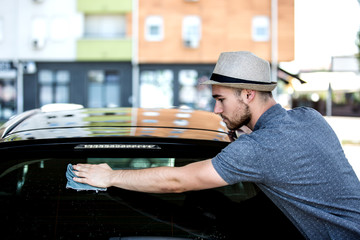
(297, 160)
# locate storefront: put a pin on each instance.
(109, 84)
(105, 84)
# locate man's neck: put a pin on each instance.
(258, 109)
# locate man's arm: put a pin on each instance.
(194, 176)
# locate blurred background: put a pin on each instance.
(154, 53)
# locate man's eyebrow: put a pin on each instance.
(216, 96)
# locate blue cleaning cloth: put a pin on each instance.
(78, 186)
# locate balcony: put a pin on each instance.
(104, 6)
(104, 49)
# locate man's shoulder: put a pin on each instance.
(308, 110)
(304, 113)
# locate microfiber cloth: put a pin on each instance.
(78, 186)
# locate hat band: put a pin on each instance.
(226, 79)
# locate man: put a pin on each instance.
(293, 156)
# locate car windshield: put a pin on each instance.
(34, 202)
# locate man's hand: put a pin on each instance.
(95, 175)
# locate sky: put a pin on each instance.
(324, 28)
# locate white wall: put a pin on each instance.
(55, 24)
(8, 30)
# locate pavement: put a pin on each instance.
(348, 131)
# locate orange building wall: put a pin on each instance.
(226, 26)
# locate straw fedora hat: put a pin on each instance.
(242, 70)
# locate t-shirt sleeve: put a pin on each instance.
(238, 162)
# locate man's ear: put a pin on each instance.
(250, 95)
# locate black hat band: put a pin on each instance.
(225, 79)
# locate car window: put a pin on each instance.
(34, 202)
(133, 163)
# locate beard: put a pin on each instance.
(241, 117)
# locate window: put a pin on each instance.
(36, 204)
(54, 86)
(192, 94)
(105, 26)
(7, 97)
(7, 90)
(260, 29)
(187, 82)
(156, 88)
(103, 89)
(154, 28)
(191, 31)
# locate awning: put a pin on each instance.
(319, 82)
(288, 77)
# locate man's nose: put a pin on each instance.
(217, 109)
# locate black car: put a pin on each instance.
(37, 146)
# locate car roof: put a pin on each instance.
(73, 121)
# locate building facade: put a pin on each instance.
(108, 53)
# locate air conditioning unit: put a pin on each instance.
(191, 43)
(29, 67)
(38, 43)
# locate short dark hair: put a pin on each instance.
(267, 94)
(264, 94)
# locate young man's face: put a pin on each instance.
(233, 110)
